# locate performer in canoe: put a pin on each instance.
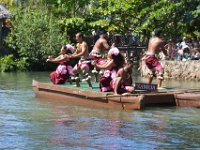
(114, 62)
(123, 82)
(84, 63)
(96, 54)
(155, 46)
(64, 70)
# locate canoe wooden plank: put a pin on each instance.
(189, 96)
(89, 97)
(84, 97)
(188, 100)
(165, 99)
(70, 90)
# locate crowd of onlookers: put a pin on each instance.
(186, 49)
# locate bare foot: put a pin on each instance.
(125, 94)
(89, 82)
(161, 88)
(95, 72)
(96, 77)
(116, 94)
(90, 87)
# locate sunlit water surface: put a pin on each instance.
(27, 122)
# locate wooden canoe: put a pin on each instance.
(94, 98)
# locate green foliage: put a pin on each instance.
(21, 64)
(73, 25)
(7, 63)
(99, 24)
(175, 17)
(8, 3)
(40, 32)
(35, 35)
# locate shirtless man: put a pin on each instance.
(84, 62)
(99, 47)
(155, 46)
(96, 54)
(123, 82)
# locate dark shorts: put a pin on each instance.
(153, 64)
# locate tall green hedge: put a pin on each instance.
(35, 35)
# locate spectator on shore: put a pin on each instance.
(179, 53)
(186, 53)
(184, 42)
(170, 49)
(195, 43)
(195, 54)
(195, 51)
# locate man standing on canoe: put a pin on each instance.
(99, 47)
(84, 62)
(155, 46)
(97, 52)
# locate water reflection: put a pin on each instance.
(30, 123)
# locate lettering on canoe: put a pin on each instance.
(146, 87)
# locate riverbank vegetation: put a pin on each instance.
(41, 27)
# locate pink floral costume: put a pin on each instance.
(125, 83)
(106, 79)
(97, 56)
(109, 75)
(83, 64)
(63, 71)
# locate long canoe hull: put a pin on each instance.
(105, 100)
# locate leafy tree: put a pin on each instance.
(63, 8)
(7, 63)
(175, 17)
(35, 35)
(40, 28)
(8, 3)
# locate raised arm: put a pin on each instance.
(105, 45)
(107, 65)
(58, 59)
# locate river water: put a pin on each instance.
(30, 123)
